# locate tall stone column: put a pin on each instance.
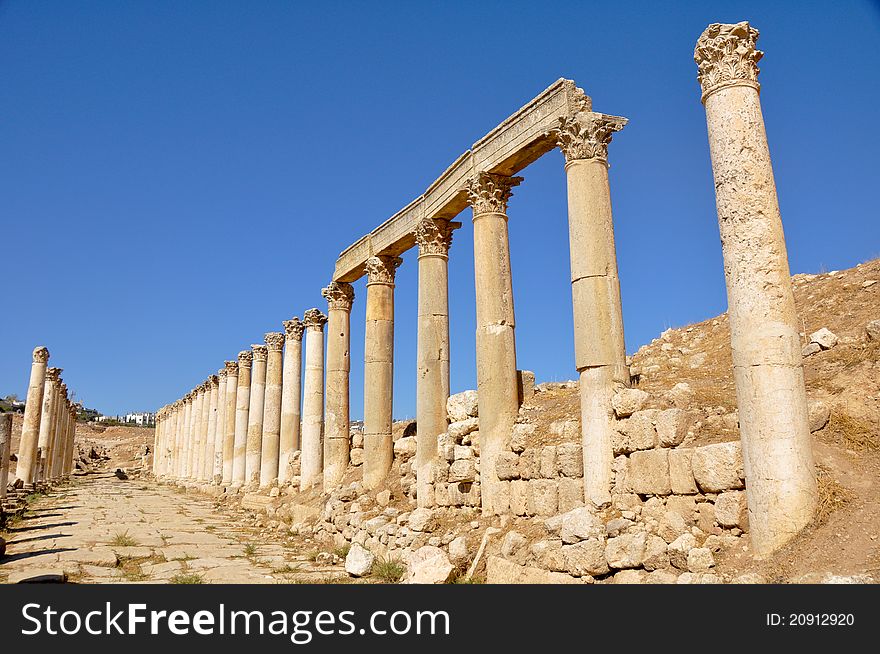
(5, 445)
(231, 420)
(600, 352)
(157, 433)
(497, 393)
(30, 429)
(340, 297)
(379, 369)
(434, 237)
(311, 462)
(48, 415)
(207, 467)
(57, 431)
(291, 390)
(62, 429)
(271, 410)
(174, 440)
(254, 446)
(219, 430)
(242, 406)
(767, 360)
(70, 439)
(199, 415)
(183, 441)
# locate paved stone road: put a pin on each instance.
(105, 530)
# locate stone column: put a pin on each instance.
(157, 432)
(183, 438)
(340, 297)
(291, 390)
(497, 393)
(767, 360)
(254, 447)
(600, 353)
(220, 430)
(434, 238)
(242, 405)
(58, 430)
(231, 420)
(67, 467)
(379, 369)
(5, 445)
(198, 420)
(208, 456)
(62, 428)
(30, 429)
(174, 440)
(271, 410)
(48, 427)
(311, 462)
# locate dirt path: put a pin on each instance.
(101, 529)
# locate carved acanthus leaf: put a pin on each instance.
(586, 135)
(727, 55)
(231, 367)
(314, 319)
(53, 374)
(382, 268)
(274, 341)
(434, 236)
(293, 329)
(261, 352)
(245, 357)
(214, 380)
(489, 193)
(339, 295)
(41, 354)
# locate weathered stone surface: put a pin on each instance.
(544, 497)
(458, 551)
(718, 467)
(671, 526)
(637, 432)
(571, 493)
(530, 464)
(681, 475)
(460, 429)
(686, 507)
(661, 577)
(513, 543)
(580, 524)
(520, 497)
(586, 557)
(655, 556)
(627, 401)
(428, 565)
(421, 519)
(507, 466)
(501, 571)
(648, 472)
(630, 577)
(626, 551)
(671, 427)
(462, 470)
(872, 330)
(462, 406)
(819, 415)
(731, 510)
(520, 436)
(706, 517)
(699, 578)
(359, 561)
(700, 559)
(824, 338)
(570, 460)
(405, 447)
(356, 456)
(679, 548)
(548, 462)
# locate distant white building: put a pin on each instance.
(144, 419)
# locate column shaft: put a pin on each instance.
(336, 413)
(30, 430)
(220, 431)
(271, 410)
(242, 406)
(231, 420)
(254, 446)
(208, 457)
(48, 416)
(311, 462)
(5, 445)
(291, 391)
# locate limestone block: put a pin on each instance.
(824, 338)
(731, 510)
(679, 548)
(520, 436)
(620, 469)
(637, 432)
(810, 348)
(718, 467)
(525, 385)
(626, 551)
(520, 497)
(544, 496)
(530, 464)
(502, 499)
(501, 571)
(462, 470)
(571, 493)
(570, 460)
(671, 526)
(648, 472)
(548, 462)
(405, 447)
(681, 474)
(421, 519)
(580, 524)
(359, 561)
(464, 494)
(671, 426)
(630, 577)
(513, 544)
(460, 429)
(462, 406)
(656, 556)
(507, 466)
(458, 551)
(661, 577)
(548, 554)
(460, 452)
(356, 456)
(686, 507)
(819, 415)
(441, 494)
(566, 429)
(428, 565)
(706, 517)
(446, 447)
(586, 557)
(700, 559)
(627, 401)
(872, 330)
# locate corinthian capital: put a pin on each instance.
(293, 329)
(381, 269)
(727, 55)
(586, 135)
(260, 352)
(41, 354)
(221, 374)
(214, 381)
(434, 236)
(339, 295)
(245, 358)
(274, 341)
(489, 193)
(314, 319)
(53, 374)
(231, 367)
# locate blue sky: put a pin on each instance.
(177, 178)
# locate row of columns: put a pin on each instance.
(264, 387)
(45, 453)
